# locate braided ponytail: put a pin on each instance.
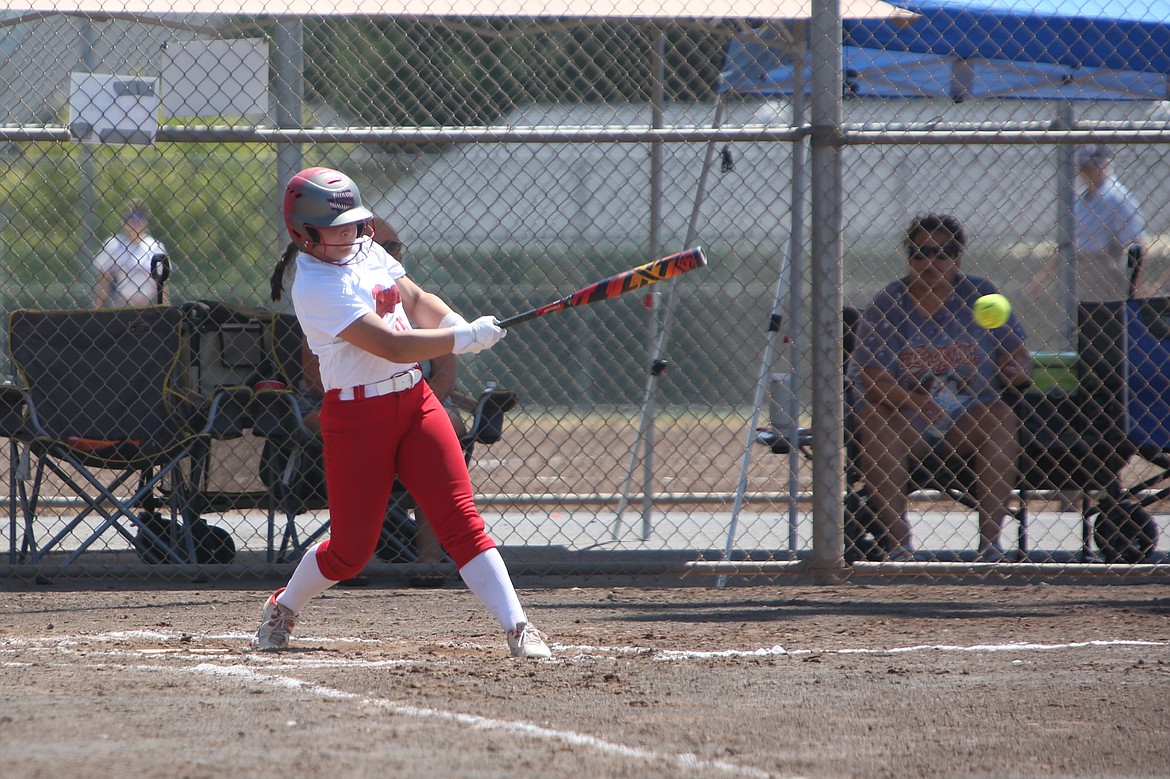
(277, 280)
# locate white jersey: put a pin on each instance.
(1107, 221)
(329, 298)
(128, 262)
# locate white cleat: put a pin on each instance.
(526, 641)
(276, 627)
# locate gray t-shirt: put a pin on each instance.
(948, 353)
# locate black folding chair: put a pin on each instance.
(105, 390)
(939, 470)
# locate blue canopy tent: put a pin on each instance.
(1098, 50)
(1028, 49)
(1080, 37)
(753, 68)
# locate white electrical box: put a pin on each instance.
(112, 109)
(222, 78)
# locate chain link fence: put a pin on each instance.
(668, 431)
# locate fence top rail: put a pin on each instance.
(418, 136)
(858, 135)
(664, 12)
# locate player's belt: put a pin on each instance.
(396, 383)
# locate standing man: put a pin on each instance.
(1107, 221)
(123, 265)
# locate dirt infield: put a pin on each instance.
(782, 681)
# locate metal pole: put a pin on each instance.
(796, 288)
(288, 90)
(653, 325)
(828, 416)
(1066, 179)
(657, 363)
(90, 241)
(656, 103)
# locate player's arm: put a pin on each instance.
(101, 292)
(440, 330)
(311, 370)
(442, 378)
(425, 309)
(371, 333)
(1015, 367)
(882, 389)
(104, 263)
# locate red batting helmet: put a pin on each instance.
(321, 197)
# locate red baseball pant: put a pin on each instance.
(370, 441)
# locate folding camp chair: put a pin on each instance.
(940, 469)
(1070, 440)
(228, 346)
(104, 390)
(292, 468)
(1124, 358)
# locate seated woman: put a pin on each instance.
(929, 375)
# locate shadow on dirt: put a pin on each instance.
(794, 609)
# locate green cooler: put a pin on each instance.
(1054, 370)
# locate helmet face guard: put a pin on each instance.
(321, 197)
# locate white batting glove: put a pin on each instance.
(483, 333)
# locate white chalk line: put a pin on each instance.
(562, 652)
(283, 661)
(779, 651)
(168, 636)
(987, 648)
(687, 761)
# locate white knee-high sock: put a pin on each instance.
(487, 578)
(306, 583)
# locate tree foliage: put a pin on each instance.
(417, 74)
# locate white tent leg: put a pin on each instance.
(645, 426)
(774, 327)
(1066, 178)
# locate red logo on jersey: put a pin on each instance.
(386, 299)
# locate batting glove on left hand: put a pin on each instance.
(483, 333)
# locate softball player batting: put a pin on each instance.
(379, 418)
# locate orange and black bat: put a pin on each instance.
(627, 281)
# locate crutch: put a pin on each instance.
(1133, 260)
(160, 271)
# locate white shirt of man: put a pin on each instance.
(1107, 221)
(329, 298)
(128, 264)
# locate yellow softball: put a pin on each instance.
(992, 311)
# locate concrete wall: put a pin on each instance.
(560, 192)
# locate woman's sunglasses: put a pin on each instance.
(950, 251)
